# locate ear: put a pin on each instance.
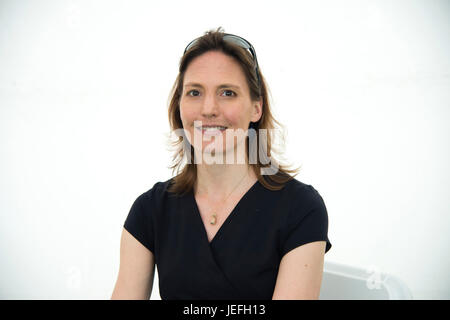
(257, 110)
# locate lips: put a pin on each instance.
(211, 126)
(211, 130)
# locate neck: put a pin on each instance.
(216, 181)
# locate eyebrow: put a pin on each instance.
(224, 85)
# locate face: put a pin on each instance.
(215, 92)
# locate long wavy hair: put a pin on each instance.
(186, 170)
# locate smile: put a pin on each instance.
(211, 130)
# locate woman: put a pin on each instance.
(221, 228)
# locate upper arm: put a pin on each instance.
(300, 272)
(135, 279)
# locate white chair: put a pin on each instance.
(343, 282)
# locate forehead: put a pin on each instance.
(215, 67)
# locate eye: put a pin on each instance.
(232, 93)
(189, 93)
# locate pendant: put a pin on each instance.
(213, 219)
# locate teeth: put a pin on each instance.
(213, 128)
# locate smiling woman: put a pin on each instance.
(224, 230)
(213, 96)
(226, 65)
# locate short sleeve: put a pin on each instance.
(139, 223)
(307, 222)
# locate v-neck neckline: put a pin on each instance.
(228, 219)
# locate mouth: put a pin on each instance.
(211, 130)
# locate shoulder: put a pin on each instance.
(157, 194)
(301, 193)
(301, 199)
(293, 194)
(306, 219)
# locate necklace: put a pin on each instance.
(213, 219)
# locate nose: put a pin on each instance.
(210, 107)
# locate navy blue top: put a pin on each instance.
(242, 260)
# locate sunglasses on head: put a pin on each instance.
(241, 42)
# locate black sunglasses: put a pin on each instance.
(241, 42)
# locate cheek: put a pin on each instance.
(186, 115)
(234, 117)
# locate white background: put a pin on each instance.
(362, 88)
